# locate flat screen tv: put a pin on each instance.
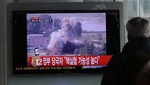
(64, 41)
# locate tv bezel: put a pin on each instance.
(112, 35)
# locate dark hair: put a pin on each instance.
(138, 27)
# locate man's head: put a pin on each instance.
(138, 27)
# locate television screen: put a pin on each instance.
(64, 41)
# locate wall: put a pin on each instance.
(7, 77)
(1, 42)
(64, 79)
(24, 1)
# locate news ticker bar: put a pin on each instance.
(68, 60)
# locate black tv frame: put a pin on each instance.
(19, 39)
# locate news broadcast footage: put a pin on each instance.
(66, 39)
